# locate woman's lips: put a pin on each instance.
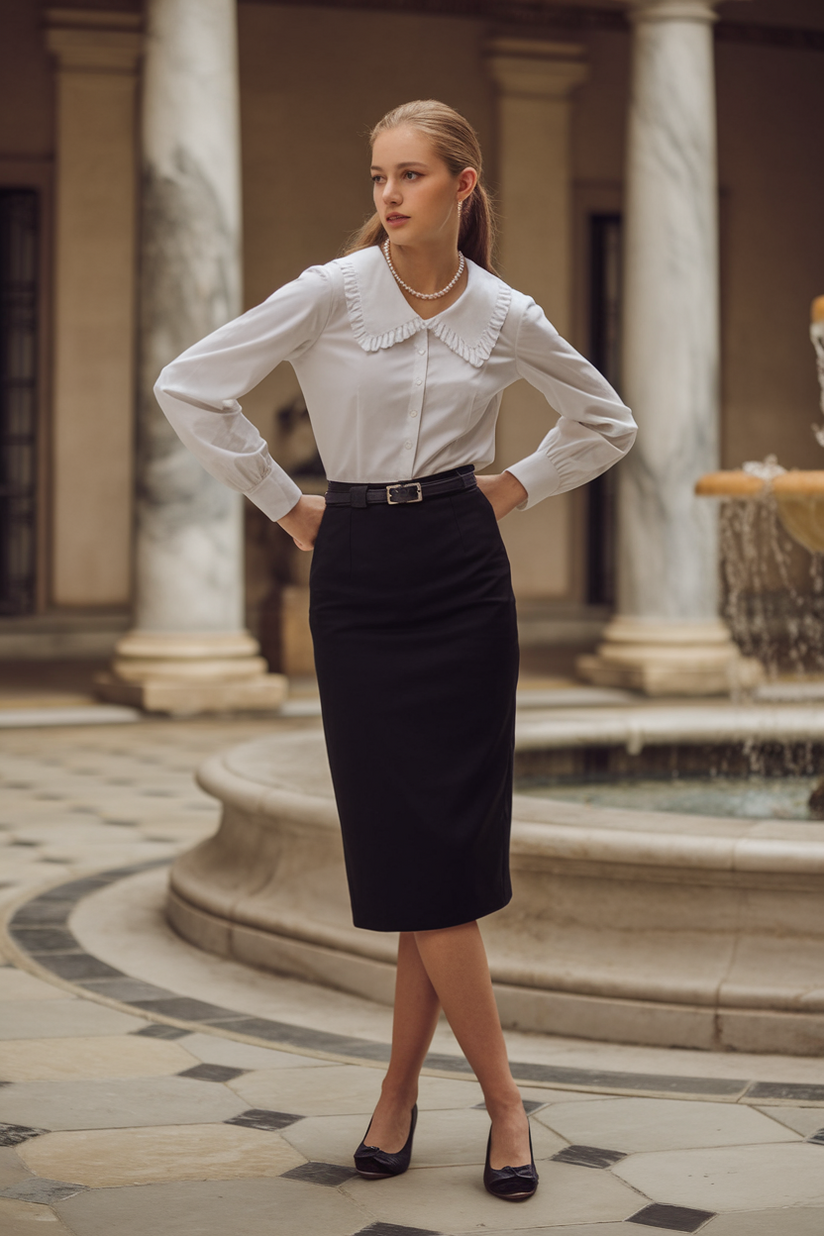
(396, 219)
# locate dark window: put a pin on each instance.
(605, 354)
(18, 398)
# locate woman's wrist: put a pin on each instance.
(288, 520)
(503, 491)
(514, 492)
(304, 519)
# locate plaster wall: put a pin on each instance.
(26, 89)
(93, 426)
(772, 252)
(599, 114)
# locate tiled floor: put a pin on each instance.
(149, 1088)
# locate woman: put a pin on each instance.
(403, 348)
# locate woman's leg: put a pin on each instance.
(455, 961)
(450, 964)
(416, 1015)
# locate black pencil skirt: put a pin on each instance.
(416, 650)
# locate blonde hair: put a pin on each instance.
(456, 143)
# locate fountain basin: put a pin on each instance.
(799, 497)
(632, 926)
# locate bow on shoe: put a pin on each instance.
(375, 1164)
(511, 1184)
(527, 1172)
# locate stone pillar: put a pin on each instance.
(189, 651)
(666, 637)
(535, 80)
(97, 55)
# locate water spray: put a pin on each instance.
(816, 802)
(817, 337)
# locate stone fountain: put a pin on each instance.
(632, 926)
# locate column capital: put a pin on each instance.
(94, 40)
(673, 10)
(536, 68)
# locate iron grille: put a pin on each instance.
(19, 219)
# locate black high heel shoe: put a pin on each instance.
(511, 1184)
(375, 1164)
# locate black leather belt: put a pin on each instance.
(341, 493)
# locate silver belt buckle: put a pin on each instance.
(401, 500)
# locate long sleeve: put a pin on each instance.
(594, 430)
(199, 391)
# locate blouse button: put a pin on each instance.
(408, 445)
(419, 382)
(414, 412)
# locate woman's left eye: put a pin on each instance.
(412, 175)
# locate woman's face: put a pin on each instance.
(416, 195)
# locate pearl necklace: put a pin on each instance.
(424, 295)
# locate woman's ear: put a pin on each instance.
(467, 180)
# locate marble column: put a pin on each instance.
(535, 80)
(189, 651)
(666, 637)
(96, 55)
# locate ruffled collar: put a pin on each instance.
(380, 316)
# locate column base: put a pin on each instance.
(187, 699)
(658, 658)
(183, 674)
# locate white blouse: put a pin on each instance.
(392, 396)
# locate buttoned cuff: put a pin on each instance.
(276, 494)
(539, 477)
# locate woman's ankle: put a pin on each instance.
(400, 1094)
(505, 1107)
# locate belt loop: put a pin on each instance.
(357, 495)
(468, 479)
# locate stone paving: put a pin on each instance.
(148, 1087)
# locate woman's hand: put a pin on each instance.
(304, 519)
(504, 492)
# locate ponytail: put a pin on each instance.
(476, 239)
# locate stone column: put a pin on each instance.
(667, 637)
(97, 55)
(535, 80)
(189, 651)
